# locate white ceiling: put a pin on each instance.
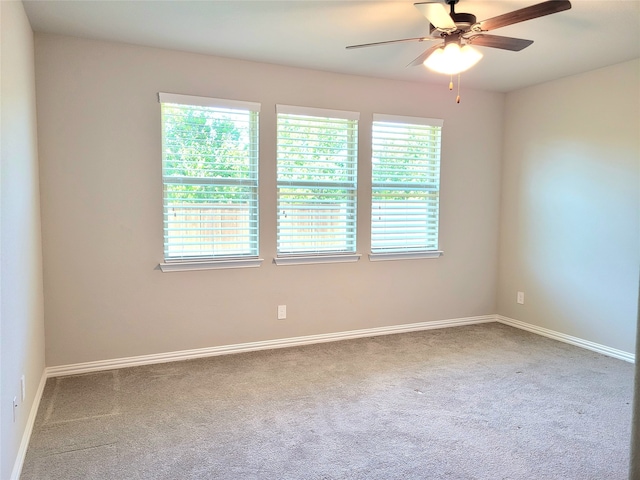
(313, 34)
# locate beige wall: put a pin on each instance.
(99, 134)
(21, 304)
(570, 221)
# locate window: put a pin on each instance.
(210, 178)
(405, 186)
(317, 182)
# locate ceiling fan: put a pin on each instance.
(460, 30)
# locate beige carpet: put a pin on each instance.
(478, 402)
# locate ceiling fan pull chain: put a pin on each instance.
(458, 97)
(451, 83)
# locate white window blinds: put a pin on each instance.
(210, 177)
(317, 180)
(405, 184)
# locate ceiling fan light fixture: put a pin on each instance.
(452, 59)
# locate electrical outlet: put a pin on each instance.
(520, 298)
(23, 390)
(15, 407)
(282, 312)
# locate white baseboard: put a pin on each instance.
(562, 337)
(78, 368)
(26, 435)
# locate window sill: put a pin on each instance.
(186, 266)
(309, 259)
(381, 257)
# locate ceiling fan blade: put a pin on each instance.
(437, 14)
(423, 56)
(416, 39)
(497, 41)
(527, 13)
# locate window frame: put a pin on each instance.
(292, 256)
(215, 261)
(381, 253)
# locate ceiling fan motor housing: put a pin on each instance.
(462, 20)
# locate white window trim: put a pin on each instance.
(321, 258)
(382, 257)
(430, 122)
(317, 112)
(195, 101)
(186, 266)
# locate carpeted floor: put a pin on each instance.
(478, 402)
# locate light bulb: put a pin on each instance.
(452, 59)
